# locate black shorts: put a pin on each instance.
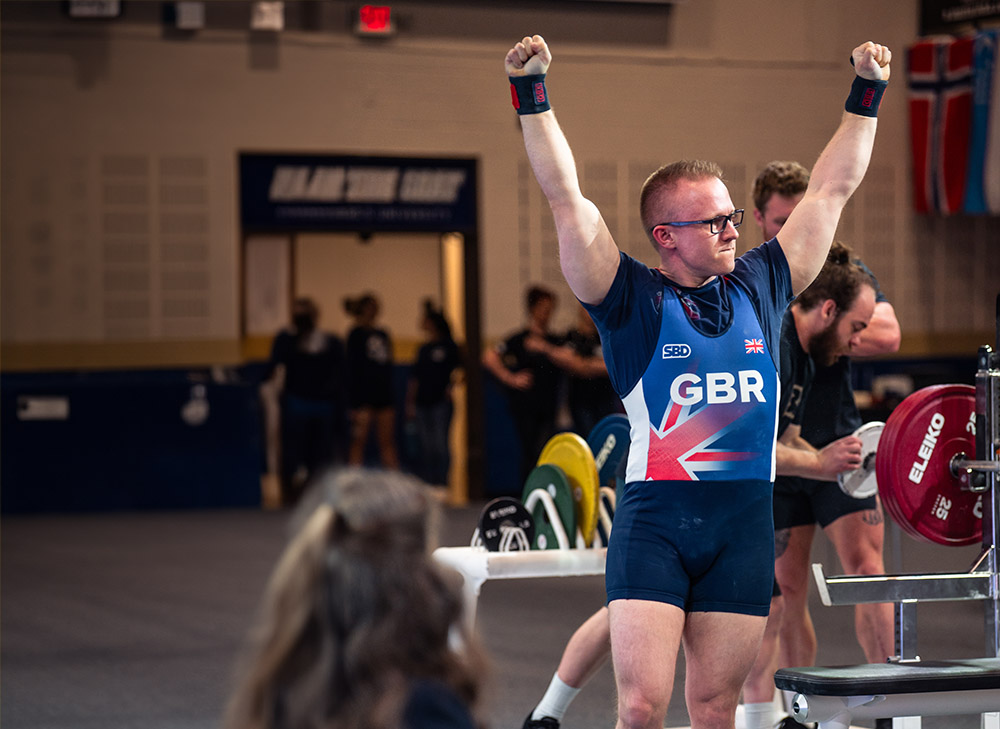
(801, 501)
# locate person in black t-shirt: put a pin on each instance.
(825, 413)
(369, 377)
(530, 378)
(428, 402)
(589, 393)
(312, 397)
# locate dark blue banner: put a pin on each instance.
(352, 193)
(955, 16)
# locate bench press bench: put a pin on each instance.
(834, 696)
(907, 688)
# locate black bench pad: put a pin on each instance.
(892, 678)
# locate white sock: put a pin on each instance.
(556, 700)
(760, 716)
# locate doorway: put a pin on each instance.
(401, 269)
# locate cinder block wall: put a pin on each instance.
(121, 242)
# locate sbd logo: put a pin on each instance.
(676, 351)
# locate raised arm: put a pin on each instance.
(587, 252)
(881, 336)
(807, 235)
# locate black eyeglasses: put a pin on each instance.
(716, 224)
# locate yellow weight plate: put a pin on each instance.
(572, 454)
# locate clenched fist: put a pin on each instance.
(871, 61)
(528, 57)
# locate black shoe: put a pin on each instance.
(789, 723)
(546, 722)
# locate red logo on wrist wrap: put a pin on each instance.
(868, 99)
(539, 88)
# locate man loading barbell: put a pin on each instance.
(818, 418)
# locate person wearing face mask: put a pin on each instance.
(312, 403)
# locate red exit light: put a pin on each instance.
(375, 20)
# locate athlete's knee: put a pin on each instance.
(793, 593)
(636, 715)
(637, 710)
(872, 565)
(717, 712)
(864, 561)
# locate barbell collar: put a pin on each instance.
(960, 461)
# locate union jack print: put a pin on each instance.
(754, 346)
(680, 449)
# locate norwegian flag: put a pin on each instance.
(754, 346)
(940, 71)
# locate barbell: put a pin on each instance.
(918, 463)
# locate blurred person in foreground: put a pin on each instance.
(359, 628)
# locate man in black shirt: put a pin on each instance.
(825, 414)
(312, 397)
(530, 377)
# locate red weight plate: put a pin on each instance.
(923, 496)
(899, 415)
(887, 494)
(913, 466)
(890, 504)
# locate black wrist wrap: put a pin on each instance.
(865, 96)
(528, 94)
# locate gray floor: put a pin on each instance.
(135, 620)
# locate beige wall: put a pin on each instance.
(120, 234)
(404, 268)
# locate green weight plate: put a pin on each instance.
(552, 479)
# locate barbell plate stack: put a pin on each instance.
(913, 467)
(863, 482)
(572, 454)
(551, 479)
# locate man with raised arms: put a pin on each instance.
(691, 349)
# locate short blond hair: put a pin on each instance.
(663, 181)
